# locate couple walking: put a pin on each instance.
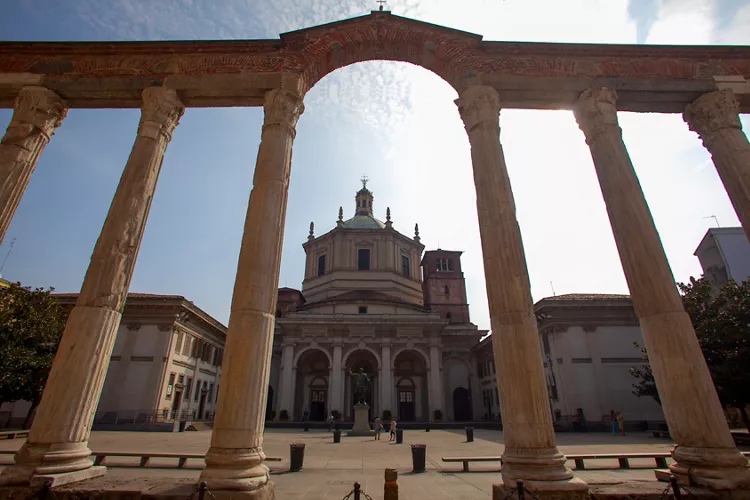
(378, 427)
(618, 422)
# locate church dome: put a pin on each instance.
(363, 222)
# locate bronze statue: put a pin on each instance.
(361, 385)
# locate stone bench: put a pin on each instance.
(622, 458)
(466, 460)
(182, 458)
(13, 434)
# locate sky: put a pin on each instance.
(394, 122)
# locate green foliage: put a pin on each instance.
(645, 387)
(336, 414)
(721, 318)
(284, 415)
(31, 323)
(438, 415)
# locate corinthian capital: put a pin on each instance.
(37, 110)
(596, 111)
(712, 112)
(477, 105)
(282, 107)
(161, 111)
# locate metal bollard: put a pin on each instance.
(356, 491)
(202, 490)
(519, 484)
(675, 487)
(390, 488)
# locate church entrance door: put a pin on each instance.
(406, 405)
(461, 404)
(318, 404)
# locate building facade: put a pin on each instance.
(589, 343)
(372, 299)
(724, 254)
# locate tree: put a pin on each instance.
(31, 323)
(646, 387)
(721, 318)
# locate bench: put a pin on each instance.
(466, 460)
(660, 433)
(182, 458)
(622, 458)
(13, 434)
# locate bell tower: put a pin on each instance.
(444, 285)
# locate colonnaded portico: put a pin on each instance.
(708, 84)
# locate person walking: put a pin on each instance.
(613, 418)
(377, 427)
(304, 415)
(621, 422)
(329, 420)
(393, 429)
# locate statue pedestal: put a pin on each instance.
(361, 421)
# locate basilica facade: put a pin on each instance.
(374, 300)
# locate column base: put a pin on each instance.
(570, 489)
(60, 463)
(534, 465)
(713, 468)
(237, 469)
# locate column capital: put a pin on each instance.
(37, 110)
(282, 107)
(595, 111)
(712, 112)
(161, 111)
(479, 104)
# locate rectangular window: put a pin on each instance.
(405, 267)
(188, 388)
(170, 385)
(186, 346)
(363, 259)
(210, 392)
(197, 390)
(178, 343)
(444, 265)
(321, 265)
(362, 309)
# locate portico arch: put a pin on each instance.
(411, 395)
(417, 350)
(366, 359)
(312, 385)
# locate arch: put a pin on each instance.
(424, 355)
(465, 361)
(320, 50)
(298, 354)
(360, 349)
(462, 411)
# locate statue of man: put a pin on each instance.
(361, 385)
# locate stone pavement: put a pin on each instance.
(331, 469)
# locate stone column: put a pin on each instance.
(386, 380)
(37, 112)
(435, 384)
(286, 393)
(715, 117)
(336, 373)
(235, 459)
(530, 449)
(58, 442)
(705, 450)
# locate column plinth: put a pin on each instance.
(37, 112)
(235, 459)
(715, 117)
(530, 449)
(704, 444)
(58, 440)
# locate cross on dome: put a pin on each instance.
(364, 180)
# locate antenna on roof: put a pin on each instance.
(553, 289)
(7, 255)
(709, 217)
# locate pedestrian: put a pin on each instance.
(377, 426)
(393, 429)
(304, 415)
(621, 422)
(329, 420)
(613, 418)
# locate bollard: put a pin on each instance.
(337, 436)
(469, 434)
(675, 487)
(427, 427)
(418, 457)
(399, 436)
(202, 490)
(356, 491)
(46, 487)
(296, 456)
(519, 485)
(390, 488)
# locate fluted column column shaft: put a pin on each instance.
(235, 458)
(334, 394)
(435, 384)
(285, 380)
(386, 380)
(704, 444)
(58, 439)
(530, 449)
(715, 117)
(37, 112)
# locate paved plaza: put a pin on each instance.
(331, 469)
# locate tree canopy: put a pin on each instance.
(721, 318)
(31, 323)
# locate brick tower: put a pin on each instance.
(444, 285)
